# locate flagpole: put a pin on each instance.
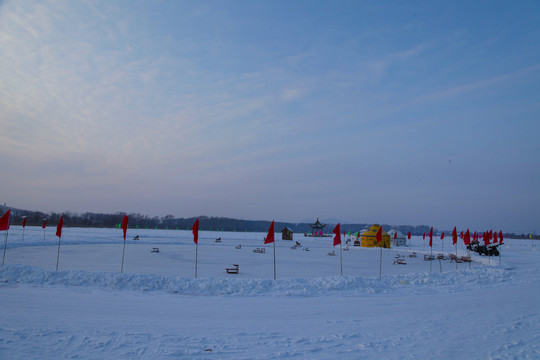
(58, 256)
(456, 256)
(274, 260)
(123, 252)
(196, 257)
(380, 264)
(23, 234)
(5, 245)
(341, 258)
(431, 259)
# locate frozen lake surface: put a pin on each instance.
(157, 309)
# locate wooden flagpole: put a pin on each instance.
(456, 256)
(431, 258)
(341, 258)
(196, 257)
(58, 256)
(5, 245)
(380, 264)
(274, 260)
(123, 252)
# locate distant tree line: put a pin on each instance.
(136, 220)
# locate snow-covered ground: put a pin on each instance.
(157, 309)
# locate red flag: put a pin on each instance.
(59, 227)
(44, 224)
(467, 238)
(454, 236)
(270, 237)
(424, 236)
(195, 229)
(500, 237)
(461, 235)
(395, 235)
(495, 238)
(24, 222)
(442, 236)
(124, 225)
(431, 237)
(378, 236)
(337, 238)
(409, 235)
(487, 238)
(4, 221)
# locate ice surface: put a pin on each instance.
(157, 309)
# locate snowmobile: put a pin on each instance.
(488, 250)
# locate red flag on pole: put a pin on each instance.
(195, 230)
(500, 237)
(431, 237)
(454, 236)
(461, 235)
(424, 237)
(4, 221)
(395, 235)
(467, 238)
(442, 236)
(270, 237)
(495, 237)
(378, 236)
(125, 225)
(409, 235)
(337, 238)
(487, 238)
(59, 226)
(24, 222)
(44, 224)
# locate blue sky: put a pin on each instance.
(393, 112)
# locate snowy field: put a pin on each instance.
(158, 310)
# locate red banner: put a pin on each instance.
(270, 237)
(337, 238)
(195, 230)
(59, 226)
(124, 225)
(4, 221)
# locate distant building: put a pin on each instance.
(286, 234)
(317, 228)
(397, 238)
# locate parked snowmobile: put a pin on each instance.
(488, 250)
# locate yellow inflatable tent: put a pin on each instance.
(367, 239)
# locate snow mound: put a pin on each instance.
(331, 286)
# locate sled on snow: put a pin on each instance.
(233, 270)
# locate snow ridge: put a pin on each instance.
(308, 287)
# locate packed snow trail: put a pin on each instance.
(51, 322)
